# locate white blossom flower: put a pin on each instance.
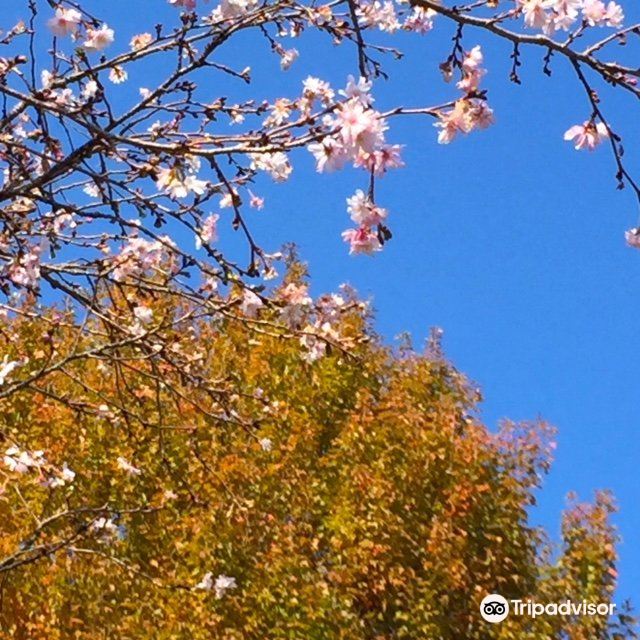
(208, 232)
(275, 164)
(118, 75)
(106, 528)
(206, 584)
(288, 58)
(251, 303)
(46, 78)
(20, 461)
(144, 314)
(99, 39)
(65, 22)
(90, 90)
(178, 184)
(633, 238)
(127, 467)
(358, 90)
(6, 368)
(61, 478)
(223, 584)
(92, 190)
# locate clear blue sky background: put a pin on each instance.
(508, 239)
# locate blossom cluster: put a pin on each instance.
(226, 10)
(472, 111)
(24, 271)
(315, 321)
(561, 15)
(367, 215)
(69, 22)
(356, 134)
(386, 17)
(276, 164)
(106, 529)
(22, 462)
(181, 179)
(341, 127)
(139, 256)
(219, 586)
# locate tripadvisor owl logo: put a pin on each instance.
(494, 608)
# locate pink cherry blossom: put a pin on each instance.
(363, 211)
(296, 294)
(480, 115)
(420, 20)
(59, 477)
(139, 255)
(565, 13)
(90, 90)
(46, 78)
(452, 122)
(228, 199)
(25, 271)
(615, 15)
(287, 58)
(118, 75)
(140, 41)
(222, 585)
(381, 160)
(472, 70)
(65, 22)
(143, 314)
(362, 240)
(127, 467)
(598, 14)
(106, 528)
(297, 300)
(178, 183)
(633, 238)
(280, 112)
(359, 126)
(63, 221)
(208, 232)
(535, 13)
(378, 14)
(19, 461)
(255, 201)
(251, 303)
(587, 135)
(314, 88)
(330, 154)
(233, 8)
(358, 90)
(275, 164)
(465, 116)
(187, 4)
(315, 348)
(99, 39)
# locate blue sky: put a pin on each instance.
(508, 239)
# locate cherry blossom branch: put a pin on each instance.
(610, 71)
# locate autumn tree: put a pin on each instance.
(218, 482)
(192, 445)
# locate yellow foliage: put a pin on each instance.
(354, 497)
